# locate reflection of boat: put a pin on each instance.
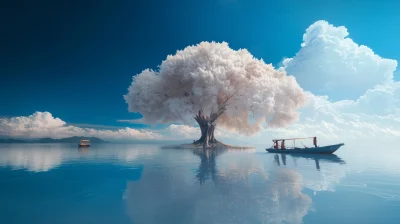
(320, 157)
(83, 150)
(329, 158)
(84, 143)
(329, 149)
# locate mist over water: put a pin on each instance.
(127, 183)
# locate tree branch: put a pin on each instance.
(225, 101)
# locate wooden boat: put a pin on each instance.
(84, 143)
(329, 149)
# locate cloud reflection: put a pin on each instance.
(44, 157)
(37, 159)
(319, 172)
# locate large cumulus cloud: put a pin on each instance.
(331, 63)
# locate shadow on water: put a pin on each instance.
(317, 158)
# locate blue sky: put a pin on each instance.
(76, 59)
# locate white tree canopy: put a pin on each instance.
(209, 76)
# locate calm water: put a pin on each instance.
(57, 183)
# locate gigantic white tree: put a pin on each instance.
(217, 86)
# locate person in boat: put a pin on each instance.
(276, 146)
(283, 145)
(315, 142)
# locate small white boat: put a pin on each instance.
(84, 143)
(329, 149)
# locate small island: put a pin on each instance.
(214, 145)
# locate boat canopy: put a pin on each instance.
(291, 138)
(85, 140)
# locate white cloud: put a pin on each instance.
(184, 131)
(37, 123)
(330, 63)
(43, 124)
(381, 100)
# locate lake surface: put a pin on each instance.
(118, 183)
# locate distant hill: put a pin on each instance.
(9, 140)
(74, 139)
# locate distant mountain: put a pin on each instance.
(74, 139)
(9, 140)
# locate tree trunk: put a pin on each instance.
(207, 130)
(207, 123)
(211, 130)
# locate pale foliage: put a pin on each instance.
(201, 77)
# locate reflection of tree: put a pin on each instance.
(242, 193)
(208, 167)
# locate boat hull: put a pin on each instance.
(329, 149)
(81, 146)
